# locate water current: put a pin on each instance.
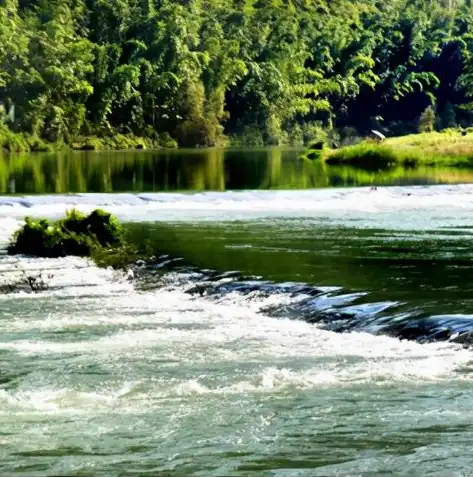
(301, 333)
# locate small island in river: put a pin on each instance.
(449, 148)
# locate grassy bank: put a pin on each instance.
(447, 148)
(20, 142)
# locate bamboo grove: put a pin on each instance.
(206, 72)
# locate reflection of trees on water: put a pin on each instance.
(209, 169)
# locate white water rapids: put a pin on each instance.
(401, 207)
(100, 378)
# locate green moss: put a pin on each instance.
(118, 258)
(76, 234)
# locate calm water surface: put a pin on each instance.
(198, 170)
(293, 369)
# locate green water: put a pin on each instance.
(425, 269)
(102, 376)
(208, 169)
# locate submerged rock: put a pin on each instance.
(465, 339)
(26, 283)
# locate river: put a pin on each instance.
(298, 323)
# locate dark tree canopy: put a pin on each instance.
(257, 71)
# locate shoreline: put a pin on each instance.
(452, 148)
(11, 142)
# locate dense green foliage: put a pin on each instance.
(200, 71)
(76, 234)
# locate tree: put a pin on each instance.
(199, 71)
(427, 120)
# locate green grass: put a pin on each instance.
(447, 148)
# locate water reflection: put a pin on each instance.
(209, 169)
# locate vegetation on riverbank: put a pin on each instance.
(448, 148)
(76, 234)
(19, 142)
(207, 72)
(22, 142)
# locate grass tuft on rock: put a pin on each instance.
(76, 234)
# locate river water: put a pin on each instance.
(301, 333)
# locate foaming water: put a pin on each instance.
(191, 373)
(196, 384)
(444, 205)
(113, 324)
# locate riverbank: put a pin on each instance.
(448, 148)
(21, 142)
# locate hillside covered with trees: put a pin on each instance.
(249, 71)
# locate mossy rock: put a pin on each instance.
(76, 234)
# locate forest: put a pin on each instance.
(241, 72)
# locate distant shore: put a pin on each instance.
(453, 147)
(22, 142)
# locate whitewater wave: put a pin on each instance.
(175, 316)
(431, 366)
(236, 318)
(452, 205)
(182, 361)
(195, 294)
